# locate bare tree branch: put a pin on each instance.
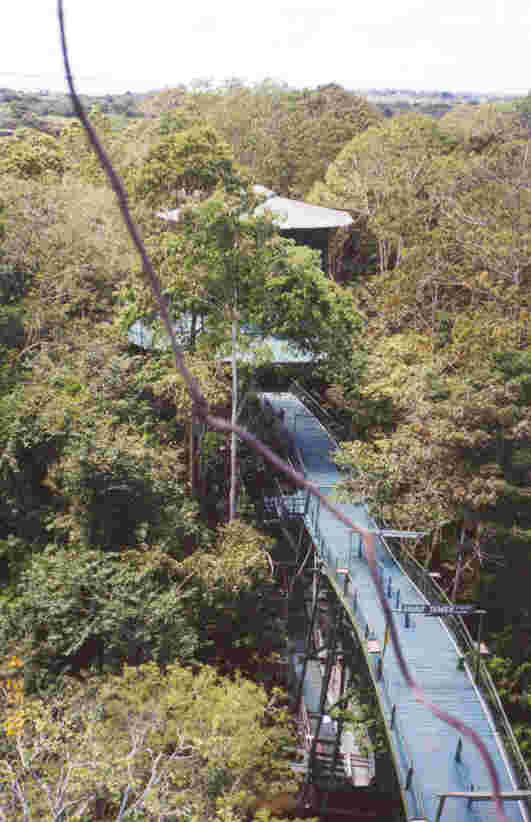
(201, 409)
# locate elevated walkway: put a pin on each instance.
(430, 759)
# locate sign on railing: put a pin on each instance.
(439, 610)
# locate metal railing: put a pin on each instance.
(387, 705)
(395, 731)
(434, 593)
(306, 396)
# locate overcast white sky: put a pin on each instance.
(120, 45)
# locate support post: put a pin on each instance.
(316, 574)
(389, 588)
(442, 800)
(343, 679)
(459, 750)
(324, 692)
(307, 644)
(393, 714)
(397, 598)
(469, 802)
(478, 649)
(379, 668)
(459, 565)
(339, 729)
(301, 532)
(387, 634)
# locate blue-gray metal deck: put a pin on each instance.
(419, 740)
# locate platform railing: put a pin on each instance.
(334, 565)
(455, 623)
(434, 593)
(410, 783)
(324, 416)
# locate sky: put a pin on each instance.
(119, 45)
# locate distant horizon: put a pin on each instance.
(480, 47)
(7, 82)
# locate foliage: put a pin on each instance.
(218, 261)
(382, 176)
(73, 246)
(32, 156)
(107, 556)
(513, 682)
(12, 691)
(149, 744)
(238, 562)
(58, 106)
(78, 606)
(79, 157)
(479, 127)
(182, 163)
(285, 136)
(302, 304)
(524, 109)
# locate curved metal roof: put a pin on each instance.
(287, 214)
(296, 214)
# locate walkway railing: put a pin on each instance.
(324, 416)
(434, 593)
(334, 565)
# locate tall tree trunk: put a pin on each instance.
(193, 330)
(192, 456)
(459, 566)
(233, 438)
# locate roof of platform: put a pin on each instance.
(255, 348)
(287, 214)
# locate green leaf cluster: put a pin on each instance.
(152, 743)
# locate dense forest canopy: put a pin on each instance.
(114, 551)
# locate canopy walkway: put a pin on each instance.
(430, 759)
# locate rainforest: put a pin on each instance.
(143, 615)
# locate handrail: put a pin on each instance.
(394, 725)
(400, 747)
(326, 418)
(456, 625)
(297, 388)
(480, 796)
(432, 591)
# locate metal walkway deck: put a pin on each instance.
(424, 748)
